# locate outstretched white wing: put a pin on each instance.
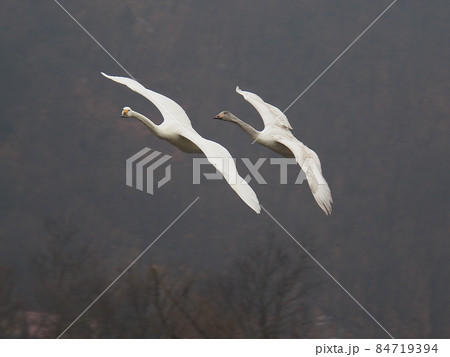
(169, 109)
(221, 159)
(270, 114)
(216, 154)
(310, 164)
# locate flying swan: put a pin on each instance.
(177, 130)
(277, 136)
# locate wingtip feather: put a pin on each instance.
(247, 194)
(324, 199)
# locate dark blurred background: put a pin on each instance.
(378, 119)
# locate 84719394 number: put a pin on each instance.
(406, 348)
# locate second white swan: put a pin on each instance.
(277, 136)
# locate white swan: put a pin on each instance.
(177, 129)
(277, 136)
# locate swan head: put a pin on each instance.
(126, 112)
(225, 115)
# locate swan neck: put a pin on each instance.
(246, 127)
(146, 121)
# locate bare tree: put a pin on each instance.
(260, 296)
(158, 304)
(67, 278)
(154, 303)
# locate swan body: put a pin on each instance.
(177, 130)
(277, 136)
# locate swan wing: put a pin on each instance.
(169, 109)
(310, 164)
(270, 114)
(221, 159)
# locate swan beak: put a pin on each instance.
(124, 113)
(218, 116)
